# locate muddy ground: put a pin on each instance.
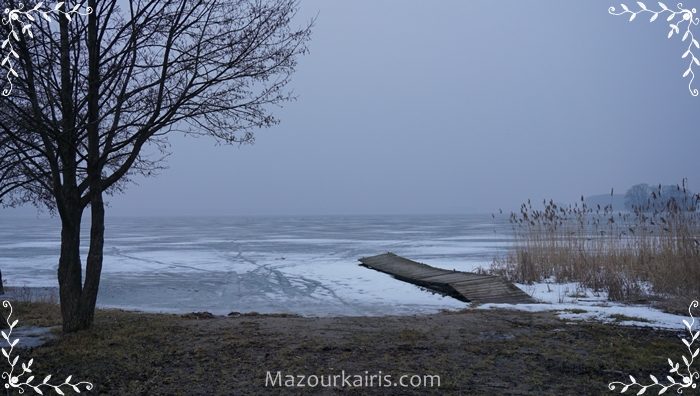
(473, 352)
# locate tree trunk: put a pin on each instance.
(77, 299)
(93, 267)
(69, 270)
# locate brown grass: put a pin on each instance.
(131, 353)
(630, 255)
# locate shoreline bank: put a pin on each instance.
(533, 353)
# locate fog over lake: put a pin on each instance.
(449, 107)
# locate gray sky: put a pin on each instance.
(450, 107)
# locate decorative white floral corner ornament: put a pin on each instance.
(16, 380)
(680, 377)
(684, 19)
(20, 21)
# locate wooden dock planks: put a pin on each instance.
(465, 286)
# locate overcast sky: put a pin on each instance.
(450, 107)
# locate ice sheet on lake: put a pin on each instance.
(298, 265)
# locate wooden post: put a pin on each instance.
(2, 286)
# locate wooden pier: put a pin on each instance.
(464, 286)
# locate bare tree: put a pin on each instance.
(96, 97)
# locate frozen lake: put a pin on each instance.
(303, 265)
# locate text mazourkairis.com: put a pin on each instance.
(346, 380)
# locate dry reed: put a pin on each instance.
(654, 249)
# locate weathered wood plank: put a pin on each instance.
(465, 286)
(454, 277)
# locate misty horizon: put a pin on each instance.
(484, 119)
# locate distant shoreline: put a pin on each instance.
(31, 294)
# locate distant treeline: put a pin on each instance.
(645, 198)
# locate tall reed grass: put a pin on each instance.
(629, 255)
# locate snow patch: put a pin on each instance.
(571, 301)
